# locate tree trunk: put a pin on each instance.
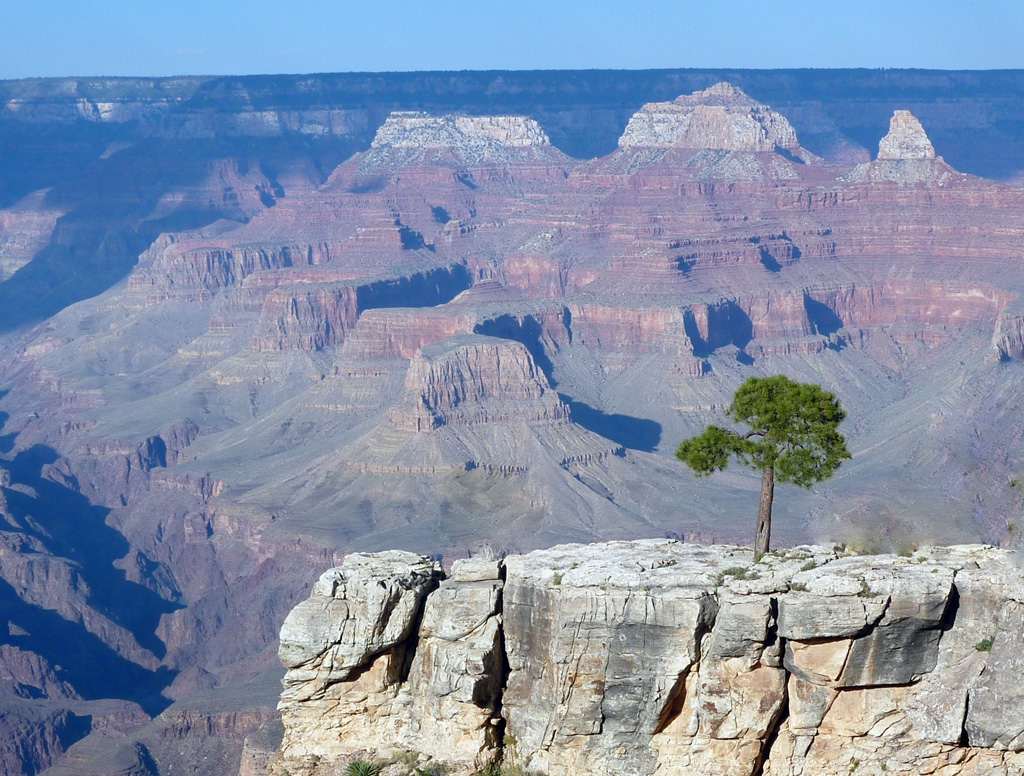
(764, 514)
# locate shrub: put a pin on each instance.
(985, 645)
(362, 768)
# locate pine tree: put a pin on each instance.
(793, 437)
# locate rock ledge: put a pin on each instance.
(655, 656)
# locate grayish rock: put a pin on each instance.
(656, 657)
(356, 611)
(906, 139)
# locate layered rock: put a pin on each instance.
(471, 379)
(413, 129)
(720, 117)
(25, 229)
(905, 156)
(906, 139)
(659, 657)
(375, 690)
(1008, 336)
(461, 151)
(308, 346)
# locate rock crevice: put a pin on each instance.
(660, 657)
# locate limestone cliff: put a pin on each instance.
(720, 117)
(657, 657)
(412, 129)
(905, 156)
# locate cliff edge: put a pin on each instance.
(636, 658)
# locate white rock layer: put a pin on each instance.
(656, 657)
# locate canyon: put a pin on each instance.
(252, 326)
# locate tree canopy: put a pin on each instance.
(793, 436)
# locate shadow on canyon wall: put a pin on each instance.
(110, 204)
(73, 534)
(631, 432)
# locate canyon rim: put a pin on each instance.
(252, 326)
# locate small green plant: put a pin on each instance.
(737, 572)
(854, 765)
(556, 579)
(865, 590)
(362, 768)
(315, 759)
(509, 741)
(811, 564)
(800, 587)
(985, 645)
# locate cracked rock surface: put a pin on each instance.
(658, 657)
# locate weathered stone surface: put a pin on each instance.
(906, 139)
(454, 686)
(599, 645)
(435, 690)
(656, 657)
(357, 611)
(405, 129)
(720, 117)
(472, 379)
(995, 699)
(808, 704)
(476, 570)
(892, 613)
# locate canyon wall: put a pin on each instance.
(462, 336)
(658, 657)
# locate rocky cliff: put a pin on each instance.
(657, 657)
(461, 335)
(720, 117)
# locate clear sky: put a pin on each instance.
(175, 37)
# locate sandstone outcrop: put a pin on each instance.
(657, 657)
(473, 379)
(905, 157)
(720, 117)
(906, 139)
(356, 633)
(421, 130)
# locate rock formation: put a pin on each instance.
(421, 130)
(905, 157)
(906, 139)
(720, 117)
(303, 345)
(659, 657)
(472, 379)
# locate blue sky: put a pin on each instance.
(173, 37)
